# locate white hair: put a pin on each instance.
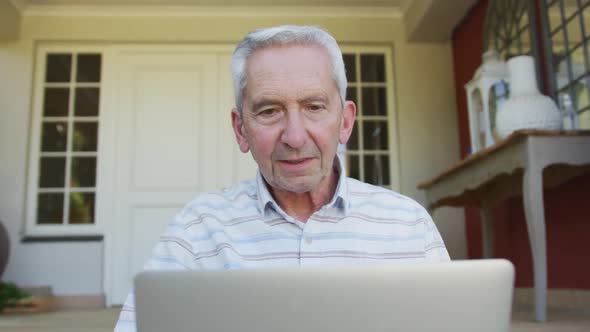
(280, 36)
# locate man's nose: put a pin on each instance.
(294, 133)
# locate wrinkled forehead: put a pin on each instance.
(288, 55)
(290, 69)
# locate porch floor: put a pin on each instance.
(104, 320)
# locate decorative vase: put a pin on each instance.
(526, 108)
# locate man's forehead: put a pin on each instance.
(264, 57)
(288, 62)
(306, 94)
(293, 72)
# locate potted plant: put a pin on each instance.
(11, 296)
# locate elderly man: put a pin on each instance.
(301, 210)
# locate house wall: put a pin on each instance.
(566, 208)
(9, 21)
(425, 105)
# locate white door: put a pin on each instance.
(169, 110)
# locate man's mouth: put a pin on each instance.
(295, 161)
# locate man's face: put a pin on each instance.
(292, 116)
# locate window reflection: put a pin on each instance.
(83, 172)
(56, 102)
(88, 68)
(59, 68)
(372, 68)
(86, 103)
(50, 208)
(81, 208)
(52, 172)
(367, 156)
(54, 136)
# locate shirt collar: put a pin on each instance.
(339, 201)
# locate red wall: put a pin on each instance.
(567, 207)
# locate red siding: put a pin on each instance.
(567, 208)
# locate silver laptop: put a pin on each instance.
(458, 296)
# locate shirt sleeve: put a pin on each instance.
(173, 251)
(435, 246)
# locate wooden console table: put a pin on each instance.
(522, 164)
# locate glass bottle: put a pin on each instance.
(568, 113)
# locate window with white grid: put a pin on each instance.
(64, 142)
(371, 150)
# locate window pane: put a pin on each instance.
(586, 19)
(578, 67)
(88, 68)
(56, 102)
(562, 73)
(83, 172)
(377, 170)
(52, 172)
(50, 208)
(81, 208)
(581, 89)
(524, 21)
(574, 31)
(351, 95)
(86, 102)
(375, 135)
(352, 166)
(372, 68)
(350, 66)
(59, 68)
(353, 141)
(374, 101)
(54, 136)
(584, 120)
(524, 45)
(85, 136)
(553, 12)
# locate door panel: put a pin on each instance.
(165, 115)
(172, 140)
(144, 227)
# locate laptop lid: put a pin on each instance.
(457, 296)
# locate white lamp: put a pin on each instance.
(491, 72)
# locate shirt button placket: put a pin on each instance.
(308, 244)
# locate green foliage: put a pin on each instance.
(10, 294)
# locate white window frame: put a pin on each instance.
(391, 117)
(34, 155)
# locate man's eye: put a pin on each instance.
(268, 112)
(316, 107)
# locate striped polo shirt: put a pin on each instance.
(244, 227)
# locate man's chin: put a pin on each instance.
(297, 185)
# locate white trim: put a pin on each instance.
(210, 11)
(391, 117)
(35, 153)
(107, 140)
(394, 161)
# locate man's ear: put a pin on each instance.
(348, 116)
(238, 126)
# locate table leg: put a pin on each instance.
(487, 230)
(535, 220)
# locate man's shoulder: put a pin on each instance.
(363, 194)
(237, 197)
